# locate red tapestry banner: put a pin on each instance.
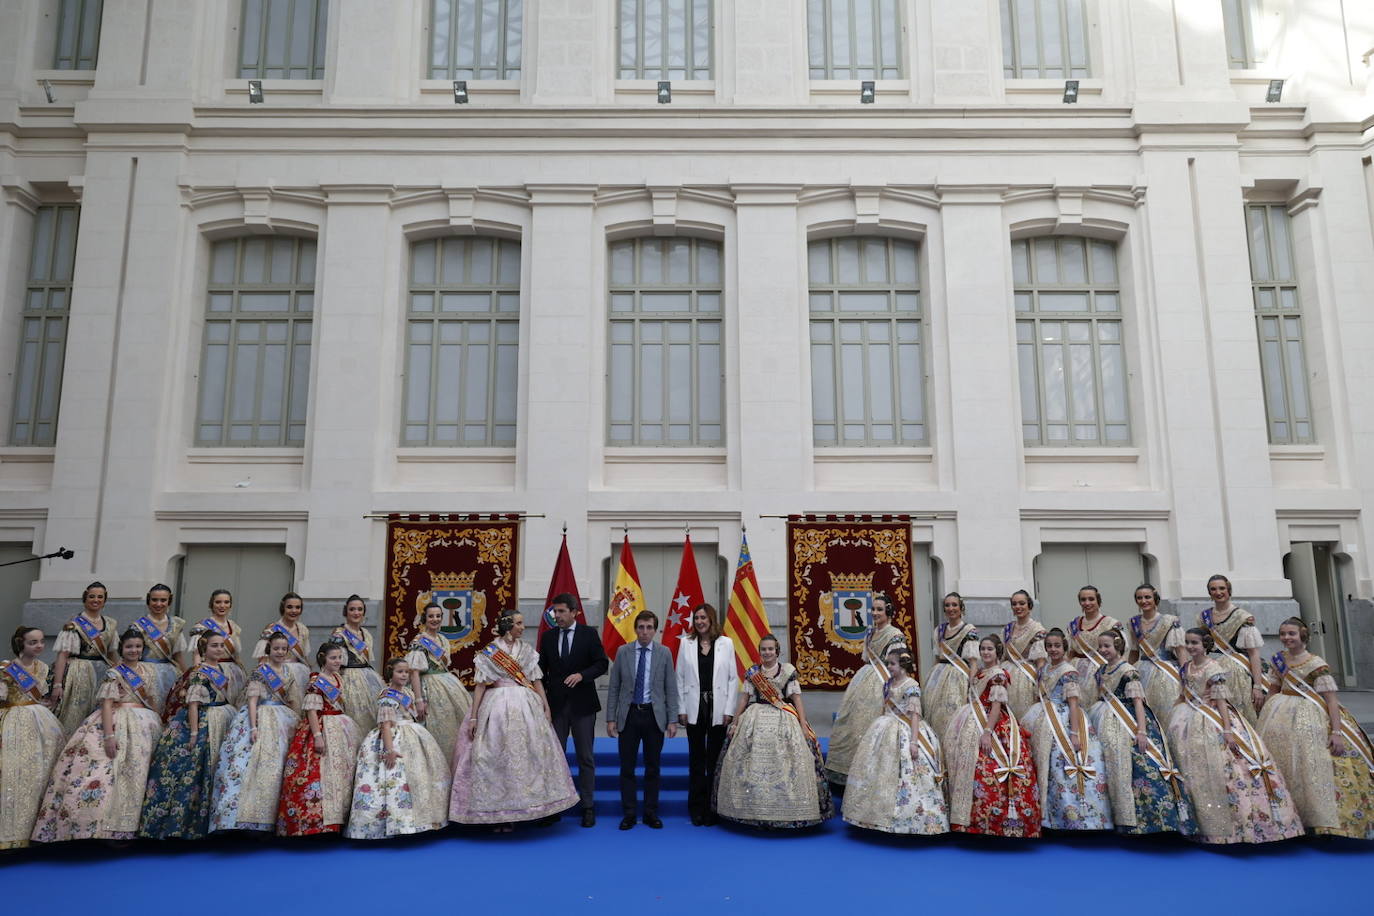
(466, 567)
(836, 565)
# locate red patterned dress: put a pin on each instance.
(316, 789)
(991, 792)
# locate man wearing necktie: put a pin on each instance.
(643, 703)
(572, 658)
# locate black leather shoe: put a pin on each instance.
(651, 820)
(627, 822)
(588, 818)
(698, 820)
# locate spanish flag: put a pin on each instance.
(746, 622)
(627, 600)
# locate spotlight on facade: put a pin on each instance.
(1275, 91)
(665, 92)
(255, 92)
(1070, 91)
(460, 92)
(867, 92)
(47, 90)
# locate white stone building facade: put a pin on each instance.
(1122, 337)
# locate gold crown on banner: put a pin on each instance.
(856, 582)
(452, 581)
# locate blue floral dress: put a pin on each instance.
(1073, 794)
(178, 798)
(248, 778)
(410, 797)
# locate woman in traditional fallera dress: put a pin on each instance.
(1068, 756)
(297, 634)
(1083, 632)
(30, 737)
(317, 776)
(401, 785)
(1238, 643)
(1237, 791)
(770, 772)
(182, 774)
(863, 698)
(221, 604)
(1146, 792)
(85, 647)
(1024, 640)
(442, 700)
(97, 784)
(1325, 757)
(249, 776)
(161, 640)
(956, 651)
(508, 766)
(361, 681)
(988, 758)
(1155, 641)
(896, 780)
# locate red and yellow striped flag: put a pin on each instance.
(627, 600)
(746, 622)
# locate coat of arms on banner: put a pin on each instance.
(465, 608)
(847, 609)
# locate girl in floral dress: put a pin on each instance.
(218, 623)
(956, 652)
(988, 758)
(443, 702)
(297, 634)
(162, 637)
(85, 649)
(402, 781)
(97, 784)
(248, 779)
(1155, 641)
(361, 682)
(30, 737)
(317, 778)
(1024, 640)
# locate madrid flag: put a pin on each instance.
(563, 582)
(627, 600)
(686, 596)
(746, 622)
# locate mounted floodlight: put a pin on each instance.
(665, 92)
(47, 90)
(867, 92)
(1070, 91)
(1275, 92)
(460, 92)
(255, 92)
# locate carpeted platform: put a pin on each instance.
(827, 869)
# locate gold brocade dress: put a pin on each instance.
(447, 701)
(861, 705)
(31, 737)
(361, 682)
(159, 652)
(85, 672)
(1159, 637)
(1084, 655)
(1334, 795)
(1029, 643)
(946, 686)
(1239, 630)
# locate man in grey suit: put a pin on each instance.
(641, 703)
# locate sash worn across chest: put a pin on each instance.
(1158, 659)
(328, 689)
(1155, 752)
(135, 682)
(438, 653)
(1223, 645)
(400, 696)
(508, 665)
(1082, 646)
(1077, 764)
(209, 623)
(949, 655)
(292, 641)
(1018, 661)
(927, 750)
(358, 644)
(92, 634)
(768, 692)
(1252, 751)
(272, 679)
(1007, 757)
(23, 680)
(216, 677)
(159, 638)
(1296, 686)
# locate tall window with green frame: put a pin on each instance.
(867, 359)
(1070, 352)
(255, 360)
(664, 379)
(854, 39)
(1044, 39)
(78, 34)
(665, 39)
(475, 39)
(462, 343)
(1278, 319)
(43, 327)
(283, 39)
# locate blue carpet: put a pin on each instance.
(826, 869)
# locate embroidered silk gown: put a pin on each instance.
(410, 797)
(1029, 644)
(300, 650)
(85, 672)
(862, 703)
(894, 787)
(1144, 799)
(770, 772)
(1333, 795)
(230, 667)
(1084, 655)
(181, 777)
(31, 737)
(91, 796)
(1158, 638)
(992, 792)
(1238, 797)
(249, 776)
(946, 687)
(1066, 801)
(513, 769)
(361, 681)
(447, 700)
(161, 640)
(317, 788)
(1240, 633)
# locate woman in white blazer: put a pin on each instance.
(708, 688)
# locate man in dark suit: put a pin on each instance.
(643, 701)
(572, 659)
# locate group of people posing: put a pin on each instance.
(165, 730)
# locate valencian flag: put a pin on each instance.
(563, 582)
(686, 596)
(746, 622)
(627, 600)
